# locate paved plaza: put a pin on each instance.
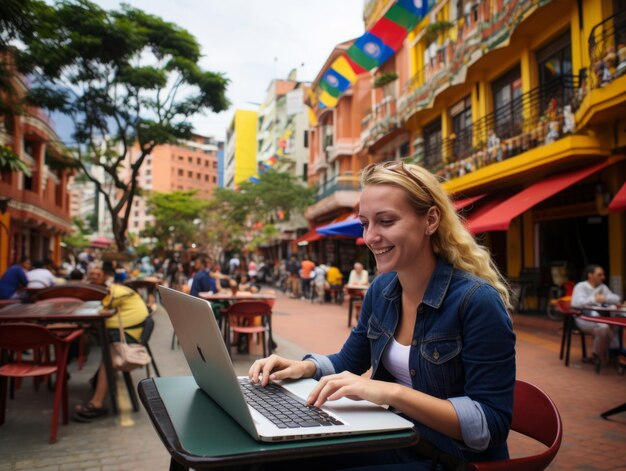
(128, 441)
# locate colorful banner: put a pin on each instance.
(371, 50)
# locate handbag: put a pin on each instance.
(128, 356)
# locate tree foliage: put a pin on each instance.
(174, 215)
(124, 77)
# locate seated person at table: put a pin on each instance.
(39, 276)
(14, 279)
(593, 291)
(358, 276)
(133, 313)
(245, 284)
(434, 330)
(202, 280)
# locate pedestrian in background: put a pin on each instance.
(434, 329)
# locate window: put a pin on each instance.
(432, 144)
(180, 172)
(190, 160)
(214, 179)
(148, 171)
(214, 164)
(190, 174)
(555, 67)
(206, 178)
(199, 161)
(306, 138)
(461, 114)
(206, 163)
(507, 104)
(199, 176)
(181, 158)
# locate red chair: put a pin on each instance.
(241, 318)
(569, 326)
(83, 291)
(15, 338)
(536, 416)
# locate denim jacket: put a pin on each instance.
(463, 350)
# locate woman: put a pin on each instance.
(132, 312)
(434, 327)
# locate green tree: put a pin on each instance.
(252, 211)
(125, 78)
(174, 215)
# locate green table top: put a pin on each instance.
(197, 431)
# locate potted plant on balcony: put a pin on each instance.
(434, 29)
(384, 78)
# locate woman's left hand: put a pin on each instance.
(333, 387)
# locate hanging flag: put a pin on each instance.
(371, 50)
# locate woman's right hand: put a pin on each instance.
(275, 367)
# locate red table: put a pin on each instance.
(89, 312)
(619, 322)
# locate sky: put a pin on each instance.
(255, 41)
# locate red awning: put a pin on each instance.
(499, 218)
(463, 202)
(619, 201)
(310, 236)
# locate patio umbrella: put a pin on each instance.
(350, 227)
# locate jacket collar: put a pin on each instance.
(436, 290)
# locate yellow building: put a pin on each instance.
(240, 162)
(519, 105)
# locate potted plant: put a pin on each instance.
(433, 30)
(384, 78)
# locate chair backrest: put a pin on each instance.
(23, 336)
(249, 309)
(565, 307)
(146, 333)
(82, 291)
(536, 416)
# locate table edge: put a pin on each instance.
(149, 395)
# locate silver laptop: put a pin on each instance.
(211, 366)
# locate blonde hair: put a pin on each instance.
(451, 241)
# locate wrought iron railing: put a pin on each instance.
(607, 50)
(340, 183)
(533, 119)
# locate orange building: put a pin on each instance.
(34, 210)
(188, 165)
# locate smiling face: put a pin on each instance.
(397, 236)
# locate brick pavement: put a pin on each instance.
(128, 442)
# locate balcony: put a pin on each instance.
(607, 50)
(379, 122)
(539, 117)
(468, 40)
(340, 183)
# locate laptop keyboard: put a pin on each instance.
(282, 408)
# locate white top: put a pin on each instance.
(585, 294)
(359, 279)
(396, 361)
(40, 278)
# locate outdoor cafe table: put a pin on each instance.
(198, 434)
(229, 297)
(84, 312)
(615, 321)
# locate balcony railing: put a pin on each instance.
(476, 34)
(380, 121)
(340, 183)
(607, 50)
(538, 117)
